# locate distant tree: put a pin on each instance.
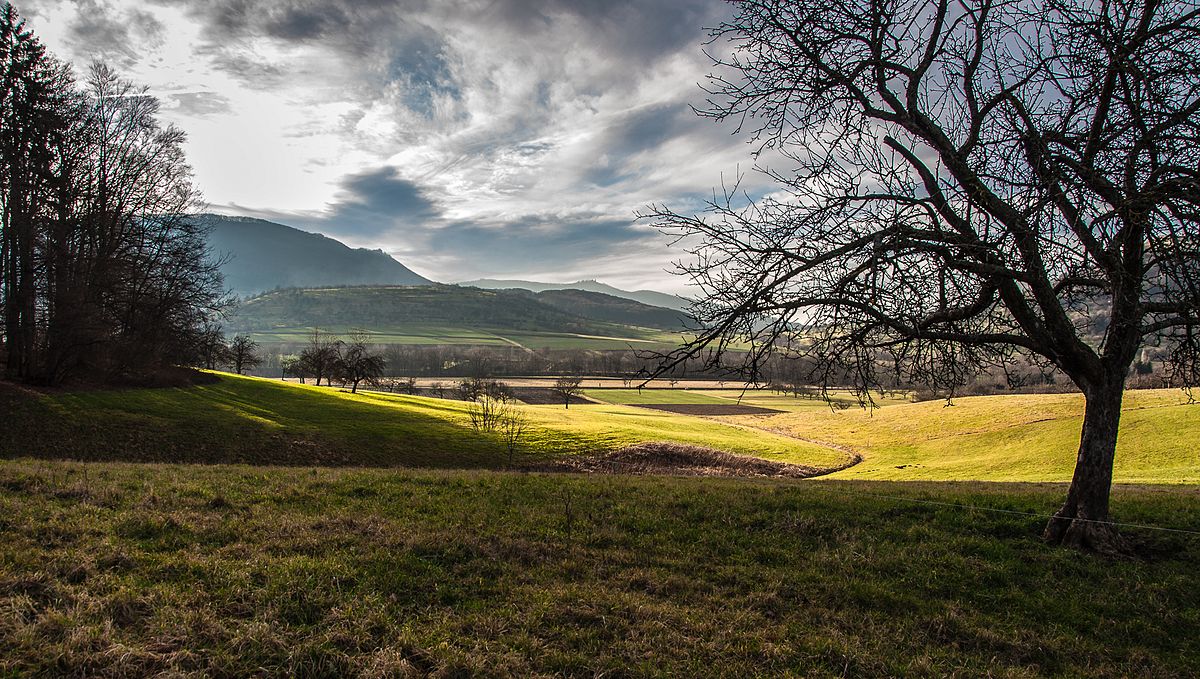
(359, 362)
(567, 387)
(513, 425)
(289, 366)
(967, 183)
(438, 389)
(485, 412)
(243, 354)
(320, 358)
(211, 349)
(408, 385)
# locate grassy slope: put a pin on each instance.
(257, 421)
(1008, 438)
(133, 570)
(437, 314)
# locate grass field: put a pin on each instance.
(139, 570)
(652, 396)
(259, 421)
(1007, 438)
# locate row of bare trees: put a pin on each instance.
(101, 269)
(329, 358)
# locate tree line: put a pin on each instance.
(102, 271)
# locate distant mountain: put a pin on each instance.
(263, 256)
(650, 297)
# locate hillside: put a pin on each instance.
(250, 420)
(648, 297)
(375, 308)
(456, 315)
(598, 306)
(262, 255)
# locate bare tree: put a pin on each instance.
(321, 357)
(243, 353)
(513, 424)
(966, 182)
(568, 387)
(211, 349)
(359, 362)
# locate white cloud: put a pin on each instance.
(545, 121)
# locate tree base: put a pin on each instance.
(1086, 535)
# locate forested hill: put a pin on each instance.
(261, 255)
(601, 307)
(380, 307)
(647, 297)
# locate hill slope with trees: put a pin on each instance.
(376, 308)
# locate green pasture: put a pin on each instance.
(655, 397)
(260, 421)
(1007, 438)
(126, 570)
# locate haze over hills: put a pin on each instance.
(262, 255)
(649, 297)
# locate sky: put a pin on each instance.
(468, 139)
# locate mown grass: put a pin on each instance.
(258, 421)
(1007, 438)
(137, 570)
(653, 396)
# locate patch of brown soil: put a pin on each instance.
(677, 460)
(545, 396)
(709, 409)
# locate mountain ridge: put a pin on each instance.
(261, 255)
(647, 297)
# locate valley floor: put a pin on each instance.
(307, 544)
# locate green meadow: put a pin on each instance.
(1030, 437)
(227, 570)
(258, 421)
(336, 535)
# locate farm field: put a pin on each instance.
(135, 570)
(260, 421)
(706, 394)
(1007, 438)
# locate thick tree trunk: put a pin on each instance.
(1082, 522)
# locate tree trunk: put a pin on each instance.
(1082, 522)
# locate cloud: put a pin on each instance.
(200, 104)
(111, 34)
(488, 136)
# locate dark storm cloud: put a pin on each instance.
(537, 241)
(100, 31)
(375, 202)
(635, 30)
(640, 130)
